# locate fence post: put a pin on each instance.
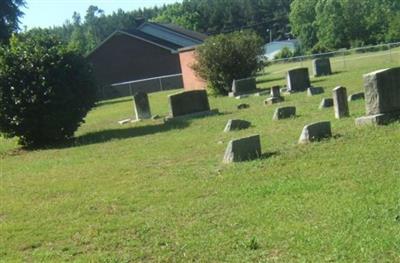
(390, 53)
(161, 88)
(344, 60)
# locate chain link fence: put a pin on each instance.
(149, 85)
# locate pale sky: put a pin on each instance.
(46, 13)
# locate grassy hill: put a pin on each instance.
(159, 192)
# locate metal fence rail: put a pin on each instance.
(148, 85)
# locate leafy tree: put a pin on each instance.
(9, 17)
(45, 89)
(223, 58)
(302, 19)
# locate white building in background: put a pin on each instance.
(273, 48)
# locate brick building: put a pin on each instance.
(147, 52)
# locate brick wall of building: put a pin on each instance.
(190, 80)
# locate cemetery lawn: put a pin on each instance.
(154, 192)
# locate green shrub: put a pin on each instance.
(284, 53)
(45, 90)
(223, 58)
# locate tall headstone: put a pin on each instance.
(382, 96)
(276, 91)
(247, 148)
(142, 106)
(340, 102)
(298, 79)
(243, 86)
(275, 96)
(321, 67)
(315, 132)
(188, 102)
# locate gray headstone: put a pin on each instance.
(243, 149)
(382, 97)
(243, 86)
(311, 91)
(315, 131)
(340, 102)
(382, 91)
(273, 100)
(236, 125)
(326, 103)
(321, 66)
(284, 113)
(276, 91)
(298, 79)
(142, 106)
(356, 96)
(188, 102)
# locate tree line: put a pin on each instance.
(320, 25)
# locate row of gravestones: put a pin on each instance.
(382, 97)
(297, 80)
(382, 100)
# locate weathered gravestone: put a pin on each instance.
(142, 106)
(236, 125)
(382, 97)
(356, 96)
(243, 86)
(243, 149)
(298, 79)
(276, 91)
(189, 102)
(326, 103)
(315, 132)
(275, 96)
(340, 102)
(284, 113)
(311, 91)
(321, 66)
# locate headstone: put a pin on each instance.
(284, 113)
(236, 125)
(243, 149)
(276, 91)
(311, 91)
(322, 66)
(315, 131)
(243, 106)
(188, 102)
(340, 102)
(298, 79)
(142, 106)
(275, 96)
(356, 96)
(243, 86)
(326, 103)
(382, 96)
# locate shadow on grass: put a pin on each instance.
(110, 102)
(260, 81)
(118, 134)
(267, 155)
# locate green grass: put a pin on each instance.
(155, 192)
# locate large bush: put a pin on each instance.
(45, 90)
(223, 58)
